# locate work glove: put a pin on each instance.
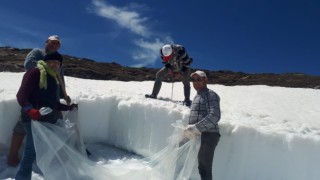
(73, 107)
(45, 110)
(34, 114)
(191, 131)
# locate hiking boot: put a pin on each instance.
(151, 96)
(187, 103)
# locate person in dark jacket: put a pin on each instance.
(52, 44)
(203, 120)
(40, 87)
(176, 62)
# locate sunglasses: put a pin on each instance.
(199, 79)
(56, 43)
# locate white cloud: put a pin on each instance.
(130, 20)
(125, 17)
(148, 52)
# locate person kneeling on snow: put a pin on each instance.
(203, 120)
(40, 87)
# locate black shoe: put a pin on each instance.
(187, 103)
(151, 96)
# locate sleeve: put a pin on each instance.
(62, 77)
(213, 109)
(183, 56)
(29, 85)
(63, 107)
(32, 58)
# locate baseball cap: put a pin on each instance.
(199, 73)
(54, 38)
(53, 56)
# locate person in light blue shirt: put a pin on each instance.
(53, 44)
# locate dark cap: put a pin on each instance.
(53, 56)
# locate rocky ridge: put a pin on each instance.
(11, 60)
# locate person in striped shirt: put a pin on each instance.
(203, 120)
(177, 63)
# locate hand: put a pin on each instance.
(34, 114)
(191, 131)
(68, 99)
(193, 128)
(73, 107)
(168, 65)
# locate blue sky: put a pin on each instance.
(251, 36)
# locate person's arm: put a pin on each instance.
(29, 85)
(183, 56)
(213, 109)
(63, 107)
(62, 95)
(27, 92)
(32, 58)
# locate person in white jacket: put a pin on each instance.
(203, 120)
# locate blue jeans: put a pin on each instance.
(209, 142)
(29, 155)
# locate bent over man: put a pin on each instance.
(177, 62)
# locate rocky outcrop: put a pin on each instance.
(11, 59)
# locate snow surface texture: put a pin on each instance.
(268, 133)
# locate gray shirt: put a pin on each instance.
(33, 57)
(205, 111)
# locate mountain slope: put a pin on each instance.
(11, 59)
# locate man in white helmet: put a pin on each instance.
(176, 61)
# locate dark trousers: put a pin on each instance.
(163, 72)
(29, 155)
(209, 142)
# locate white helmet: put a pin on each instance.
(166, 52)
